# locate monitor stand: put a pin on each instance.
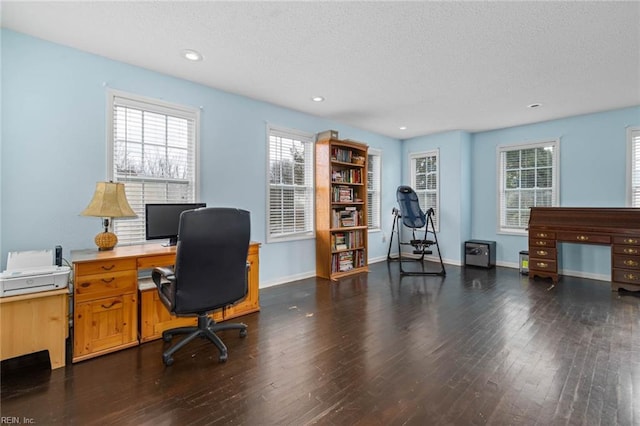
(172, 242)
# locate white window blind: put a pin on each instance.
(634, 167)
(374, 173)
(290, 192)
(426, 183)
(528, 177)
(153, 150)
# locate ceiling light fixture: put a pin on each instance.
(317, 99)
(191, 55)
(534, 105)
(402, 127)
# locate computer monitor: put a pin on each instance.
(162, 220)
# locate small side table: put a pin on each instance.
(35, 322)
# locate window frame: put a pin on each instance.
(501, 176)
(633, 166)
(412, 170)
(375, 208)
(309, 140)
(162, 107)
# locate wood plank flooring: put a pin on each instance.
(475, 347)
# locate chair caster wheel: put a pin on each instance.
(243, 332)
(168, 360)
(222, 358)
(167, 337)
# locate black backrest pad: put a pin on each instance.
(211, 259)
(412, 214)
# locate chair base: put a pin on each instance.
(206, 328)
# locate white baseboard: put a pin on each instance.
(567, 272)
(284, 280)
(513, 265)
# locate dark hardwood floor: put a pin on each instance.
(477, 347)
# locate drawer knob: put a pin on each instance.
(541, 243)
(542, 252)
(631, 277)
(582, 238)
(107, 280)
(630, 241)
(542, 235)
(630, 262)
(108, 268)
(542, 264)
(630, 251)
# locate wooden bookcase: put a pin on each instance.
(341, 206)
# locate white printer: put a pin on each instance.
(31, 272)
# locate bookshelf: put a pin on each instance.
(341, 206)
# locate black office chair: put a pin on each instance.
(411, 216)
(210, 273)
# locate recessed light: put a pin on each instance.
(402, 127)
(317, 99)
(191, 55)
(534, 105)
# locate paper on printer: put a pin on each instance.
(32, 271)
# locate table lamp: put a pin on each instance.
(109, 201)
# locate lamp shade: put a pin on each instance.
(109, 200)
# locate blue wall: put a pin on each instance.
(455, 187)
(593, 162)
(54, 149)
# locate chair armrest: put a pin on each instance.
(159, 272)
(246, 278)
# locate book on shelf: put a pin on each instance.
(346, 176)
(345, 218)
(342, 194)
(342, 155)
(348, 260)
(339, 241)
(347, 240)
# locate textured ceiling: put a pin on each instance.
(429, 66)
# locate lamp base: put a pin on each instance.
(106, 241)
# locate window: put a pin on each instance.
(634, 167)
(426, 183)
(374, 172)
(152, 149)
(528, 177)
(290, 192)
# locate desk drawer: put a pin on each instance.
(542, 265)
(626, 250)
(584, 237)
(626, 276)
(153, 261)
(542, 253)
(542, 234)
(105, 285)
(626, 262)
(102, 266)
(632, 241)
(541, 243)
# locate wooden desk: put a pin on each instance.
(35, 322)
(615, 227)
(110, 313)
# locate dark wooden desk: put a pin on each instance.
(615, 227)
